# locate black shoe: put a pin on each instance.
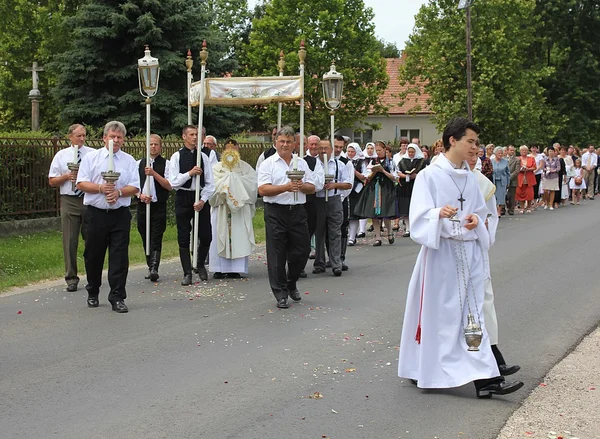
(233, 276)
(201, 270)
(344, 267)
(391, 239)
(361, 235)
(351, 243)
(371, 228)
(71, 288)
(377, 243)
(218, 275)
(337, 272)
(328, 264)
(415, 382)
(120, 307)
(187, 280)
(282, 303)
(318, 271)
(154, 262)
(406, 235)
(93, 302)
(303, 274)
(295, 296)
(508, 370)
(154, 276)
(501, 388)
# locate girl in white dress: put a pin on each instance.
(577, 183)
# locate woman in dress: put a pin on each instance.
(370, 150)
(525, 181)
(501, 178)
(550, 178)
(566, 164)
(357, 224)
(377, 199)
(408, 168)
(486, 165)
(577, 183)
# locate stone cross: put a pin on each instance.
(34, 76)
(35, 96)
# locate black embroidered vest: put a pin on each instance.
(187, 160)
(159, 166)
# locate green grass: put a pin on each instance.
(39, 256)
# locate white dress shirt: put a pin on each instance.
(589, 159)
(347, 178)
(59, 166)
(273, 171)
(153, 180)
(177, 179)
(96, 162)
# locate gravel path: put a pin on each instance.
(566, 404)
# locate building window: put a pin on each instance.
(410, 134)
(362, 137)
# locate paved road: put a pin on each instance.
(220, 361)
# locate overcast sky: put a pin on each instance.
(394, 19)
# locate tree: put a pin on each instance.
(508, 98)
(569, 45)
(388, 50)
(97, 75)
(340, 30)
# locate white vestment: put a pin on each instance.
(489, 310)
(233, 207)
(434, 299)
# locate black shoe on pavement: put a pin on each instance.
(508, 370)
(202, 272)
(120, 307)
(187, 280)
(328, 264)
(72, 288)
(501, 388)
(92, 302)
(318, 271)
(295, 296)
(233, 276)
(218, 275)
(303, 274)
(344, 267)
(282, 303)
(361, 235)
(337, 272)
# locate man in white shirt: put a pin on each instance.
(108, 217)
(184, 175)
(72, 210)
(313, 162)
(209, 147)
(285, 218)
(330, 213)
(589, 161)
(339, 147)
(159, 188)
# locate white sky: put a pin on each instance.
(394, 19)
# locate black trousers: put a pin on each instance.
(345, 225)
(107, 229)
(287, 242)
(158, 224)
(184, 212)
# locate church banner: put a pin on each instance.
(248, 91)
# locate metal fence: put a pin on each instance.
(24, 165)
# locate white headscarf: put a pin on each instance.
(418, 152)
(374, 153)
(359, 153)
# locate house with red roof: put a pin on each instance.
(409, 117)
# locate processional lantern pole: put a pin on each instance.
(466, 4)
(302, 57)
(189, 63)
(281, 65)
(148, 73)
(203, 58)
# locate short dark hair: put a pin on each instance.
(339, 137)
(188, 127)
(457, 128)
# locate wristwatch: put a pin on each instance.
(120, 193)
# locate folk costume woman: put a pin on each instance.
(408, 168)
(378, 198)
(355, 154)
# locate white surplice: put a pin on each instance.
(489, 309)
(434, 299)
(233, 207)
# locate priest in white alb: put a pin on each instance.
(233, 207)
(447, 216)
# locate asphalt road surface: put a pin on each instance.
(219, 360)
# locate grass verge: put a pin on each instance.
(31, 258)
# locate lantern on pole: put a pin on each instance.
(148, 73)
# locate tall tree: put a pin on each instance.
(570, 44)
(340, 30)
(97, 78)
(508, 99)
